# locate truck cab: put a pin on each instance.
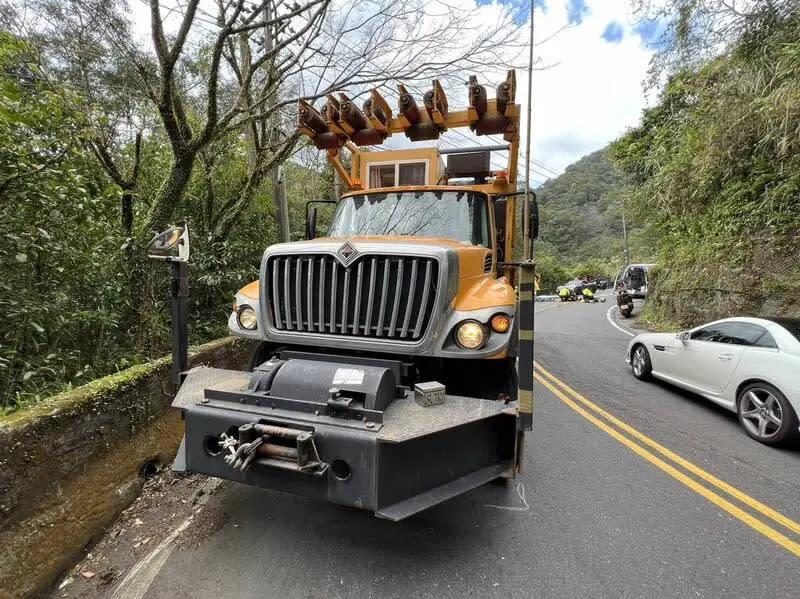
(408, 271)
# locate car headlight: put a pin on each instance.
(246, 317)
(470, 335)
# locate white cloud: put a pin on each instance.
(594, 91)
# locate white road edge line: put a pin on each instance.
(615, 325)
(142, 575)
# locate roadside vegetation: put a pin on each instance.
(714, 167)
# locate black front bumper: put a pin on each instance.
(413, 459)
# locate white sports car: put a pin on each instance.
(749, 365)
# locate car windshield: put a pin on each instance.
(458, 215)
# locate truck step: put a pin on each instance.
(408, 507)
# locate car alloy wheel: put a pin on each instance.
(640, 363)
(762, 414)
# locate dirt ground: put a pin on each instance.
(167, 501)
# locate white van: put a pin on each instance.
(634, 278)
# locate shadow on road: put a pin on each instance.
(791, 447)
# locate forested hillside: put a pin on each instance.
(715, 170)
(581, 231)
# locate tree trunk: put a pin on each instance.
(169, 196)
(127, 212)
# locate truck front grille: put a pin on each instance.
(378, 296)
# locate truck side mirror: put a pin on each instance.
(311, 216)
(311, 222)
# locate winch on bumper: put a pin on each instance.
(342, 429)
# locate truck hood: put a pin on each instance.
(471, 258)
(438, 241)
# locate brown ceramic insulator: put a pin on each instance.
(427, 99)
(354, 117)
(477, 97)
(312, 119)
(377, 112)
(367, 137)
(328, 141)
(423, 131)
(408, 107)
(490, 124)
(503, 96)
(329, 112)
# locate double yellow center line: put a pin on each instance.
(660, 456)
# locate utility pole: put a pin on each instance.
(338, 185)
(279, 200)
(526, 218)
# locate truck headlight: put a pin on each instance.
(470, 335)
(246, 317)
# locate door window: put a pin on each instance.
(735, 333)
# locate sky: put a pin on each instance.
(591, 57)
(593, 91)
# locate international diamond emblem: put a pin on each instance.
(347, 253)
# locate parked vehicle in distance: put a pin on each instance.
(634, 278)
(747, 365)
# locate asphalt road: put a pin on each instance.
(592, 516)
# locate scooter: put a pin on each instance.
(625, 303)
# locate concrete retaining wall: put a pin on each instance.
(70, 465)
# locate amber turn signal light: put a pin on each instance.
(500, 323)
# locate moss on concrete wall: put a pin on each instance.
(70, 465)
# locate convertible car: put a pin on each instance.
(750, 366)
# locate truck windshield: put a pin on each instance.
(459, 215)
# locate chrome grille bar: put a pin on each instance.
(309, 294)
(357, 307)
(334, 291)
(287, 304)
(321, 321)
(423, 305)
(371, 297)
(345, 297)
(298, 270)
(396, 306)
(276, 305)
(384, 292)
(411, 297)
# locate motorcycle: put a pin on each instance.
(625, 303)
